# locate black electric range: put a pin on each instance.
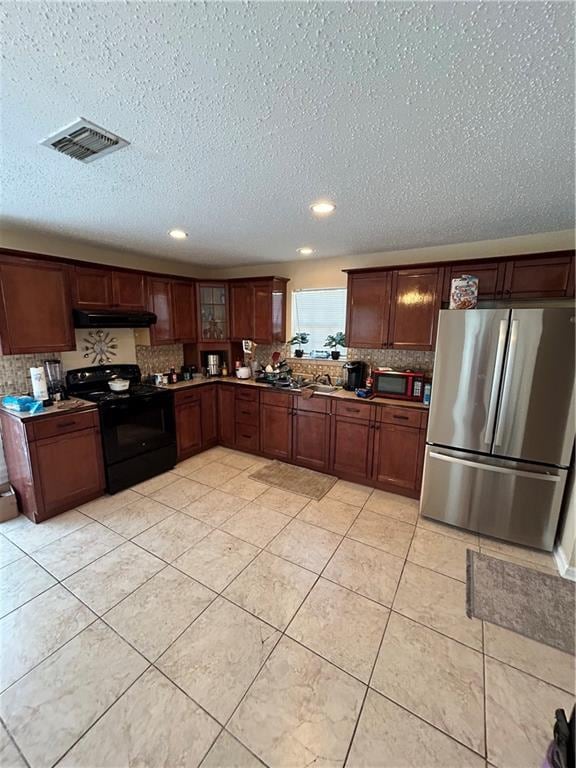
(137, 426)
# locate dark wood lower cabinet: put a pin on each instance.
(311, 439)
(209, 408)
(226, 420)
(398, 452)
(276, 431)
(189, 427)
(352, 441)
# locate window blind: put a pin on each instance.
(319, 312)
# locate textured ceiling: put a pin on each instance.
(426, 123)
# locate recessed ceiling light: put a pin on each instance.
(178, 234)
(322, 208)
(306, 251)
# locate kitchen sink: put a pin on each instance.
(325, 388)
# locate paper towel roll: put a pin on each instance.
(39, 388)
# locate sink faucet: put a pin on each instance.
(323, 378)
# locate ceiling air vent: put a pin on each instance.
(84, 141)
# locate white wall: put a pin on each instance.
(125, 353)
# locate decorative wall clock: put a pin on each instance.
(100, 346)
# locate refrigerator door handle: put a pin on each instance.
(493, 468)
(507, 381)
(496, 379)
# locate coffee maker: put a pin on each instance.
(354, 375)
(214, 365)
(55, 380)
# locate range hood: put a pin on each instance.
(110, 318)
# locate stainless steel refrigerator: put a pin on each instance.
(501, 425)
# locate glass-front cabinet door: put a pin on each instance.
(213, 312)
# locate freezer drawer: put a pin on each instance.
(515, 502)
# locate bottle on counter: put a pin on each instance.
(224, 371)
(173, 376)
(237, 365)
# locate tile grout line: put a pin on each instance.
(14, 742)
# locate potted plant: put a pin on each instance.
(337, 340)
(299, 338)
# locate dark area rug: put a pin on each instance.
(534, 604)
(306, 482)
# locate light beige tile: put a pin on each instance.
(439, 553)
(448, 530)
(8, 552)
(550, 568)
(172, 536)
(218, 453)
(137, 516)
(519, 715)
(152, 724)
(549, 664)
(192, 464)
(31, 536)
(108, 580)
(52, 706)
(438, 602)
(75, 550)
(331, 514)
(256, 524)
(531, 558)
(227, 752)
(382, 532)
(349, 493)
(240, 460)
(393, 505)
(214, 474)
(217, 559)
(242, 485)
(436, 678)
(366, 570)
(35, 630)
(155, 483)
(300, 711)
(99, 509)
(341, 626)
(405, 740)
(155, 614)
(271, 588)
(215, 508)
(283, 501)
(11, 758)
(218, 657)
(181, 493)
(21, 581)
(306, 545)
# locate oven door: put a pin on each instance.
(392, 385)
(137, 425)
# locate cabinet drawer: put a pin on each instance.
(247, 395)
(246, 413)
(353, 410)
(67, 422)
(314, 404)
(247, 437)
(186, 396)
(277, 397)
(406, 417)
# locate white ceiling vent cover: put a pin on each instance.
(84, 141)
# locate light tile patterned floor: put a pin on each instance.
(204, 618)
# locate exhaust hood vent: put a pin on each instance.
(84, 141)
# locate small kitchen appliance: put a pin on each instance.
(214, 365)
(353, 375)
(401, 385)
(55, 380)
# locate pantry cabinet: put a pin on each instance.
(258, 309)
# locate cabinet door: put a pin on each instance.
(189, 427)
(415, 302)
(352, 448)
(263, 314)
(398, 456)
(276, 431)
(208, 404)
(68, 470)
(241, 311)
(311, 439)
(279, 310)
(184, 311)
(540, 278)
(128, 290)
(91, 288)
(226, 420)
(368, 310)
(36, 307)
(490, 276)
(160, 302)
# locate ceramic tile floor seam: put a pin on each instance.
(170, 562)
(220, 528)
(484, 704)
(86, 564)
(525, 672)
(229, 733)
(14, 743)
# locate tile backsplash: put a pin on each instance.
(159, 359)
(15, 373)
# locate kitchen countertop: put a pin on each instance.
(341, 394)
(64, 406)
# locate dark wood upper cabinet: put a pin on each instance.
(128, 290)
(490, 276)
(368, 310)
(538, 277)
(415, 301)
(35, 307)
(258, 309)
(184, 310)
(91, 288)
(160, 302)
(241, 311)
